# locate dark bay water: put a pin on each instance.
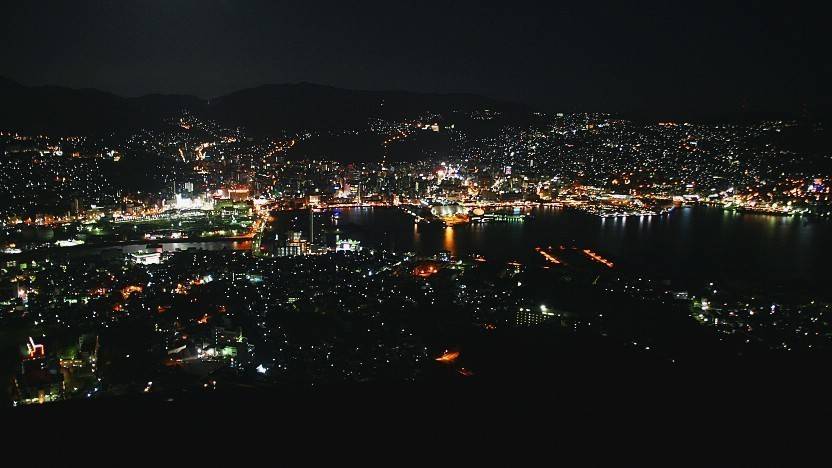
(689, 246)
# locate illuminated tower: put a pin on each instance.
(311, 225)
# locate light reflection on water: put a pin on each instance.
(449, 243)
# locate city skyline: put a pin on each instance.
(605, 211)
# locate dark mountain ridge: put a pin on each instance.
(59, 110)
(291, 107)
(267, 109)
(300, 106)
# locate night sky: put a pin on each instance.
(610, 56)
